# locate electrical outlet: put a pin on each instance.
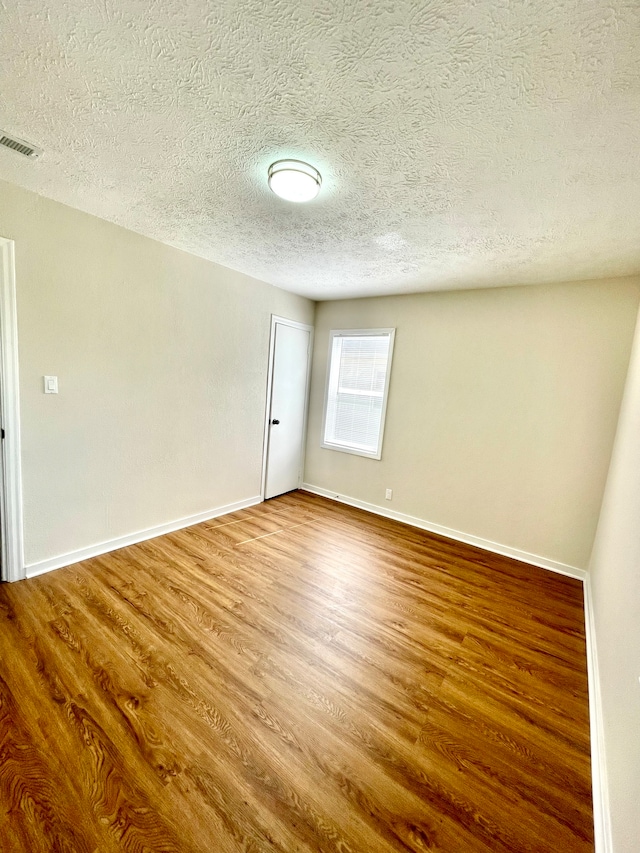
(388, 494)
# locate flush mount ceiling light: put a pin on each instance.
(294, 180)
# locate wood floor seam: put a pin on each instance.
(273, 533)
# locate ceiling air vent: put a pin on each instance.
(19, 145)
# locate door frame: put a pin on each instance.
(275, 319)
(13, 567)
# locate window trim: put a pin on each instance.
(343, 333)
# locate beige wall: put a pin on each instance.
(502, 410)
(162, 363)
(615, 583)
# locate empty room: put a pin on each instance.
(320, 405)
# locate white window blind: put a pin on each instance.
(357, 384)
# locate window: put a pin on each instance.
(357, 386)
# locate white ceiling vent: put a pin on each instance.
(19, 145)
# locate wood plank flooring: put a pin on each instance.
(299, 676)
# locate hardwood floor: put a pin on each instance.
(299, 676)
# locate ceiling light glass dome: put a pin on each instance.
(294, 180)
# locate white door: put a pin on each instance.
(286, 413)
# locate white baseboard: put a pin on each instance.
(468, 539)
(43, 566)
(601, 812)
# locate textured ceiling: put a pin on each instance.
(461, 143)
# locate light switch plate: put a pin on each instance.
(50, 384)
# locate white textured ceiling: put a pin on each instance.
(462, 143)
